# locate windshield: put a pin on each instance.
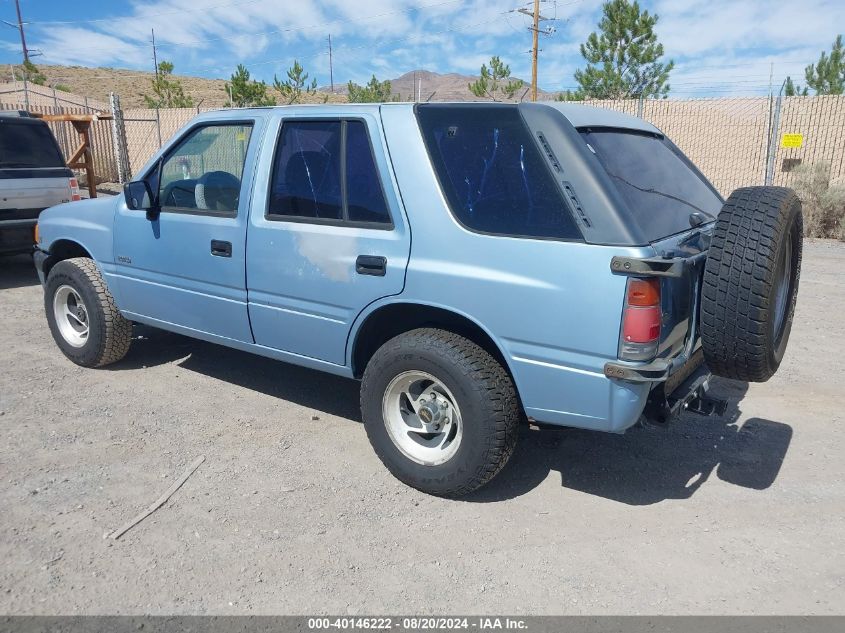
(661, 187)
(27, 145)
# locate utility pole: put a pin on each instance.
(155, 55)
(331, 69)
(534, 49)
(19, 27)
(20, 30)
(535, 36)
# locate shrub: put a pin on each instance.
(823, 203)
(833, 210)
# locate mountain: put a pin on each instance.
(131, 85)
(440, 87)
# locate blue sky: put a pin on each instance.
(720, 47)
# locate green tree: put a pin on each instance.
(791, 90)
(296, 86)
(30, 72)
(245, 92)
(374, 92)
(827, 76)
(167, 92)
(494, 82)
(623, 58)
(570, 95)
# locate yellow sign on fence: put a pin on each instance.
(792, 141)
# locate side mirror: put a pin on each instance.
(139, 197)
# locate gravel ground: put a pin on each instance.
(293, 513)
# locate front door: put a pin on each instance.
(186, 268)
(327, 234)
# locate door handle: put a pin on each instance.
(374, 265)
(219, 248)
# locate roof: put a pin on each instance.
(578, 115)
(589, 116)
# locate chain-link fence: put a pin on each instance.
(734, 141)
(147, 129)
(101, 140)
(752, 140)
(27, 94)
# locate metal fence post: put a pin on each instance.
(640, 106)
(773, 142)
(63, 140)
(121, 153)
(158, 126)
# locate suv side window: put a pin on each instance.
(491, 172)
(203, 173)
(325, 171)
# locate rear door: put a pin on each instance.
(187, 267)
(327, 234)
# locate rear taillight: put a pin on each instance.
(74, 189)
(641, 320)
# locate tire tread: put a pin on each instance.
(738, 281)
(486, 375)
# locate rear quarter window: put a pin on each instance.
(491, 172)
(28, 145)
(660, 187)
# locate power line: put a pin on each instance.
(534, 14)
(309, 27)
(18, 26)
(369, 45)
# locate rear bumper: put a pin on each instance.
(16, 236)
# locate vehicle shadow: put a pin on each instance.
(649, 464)
(17, 271)
(316, 390)
(645, 465)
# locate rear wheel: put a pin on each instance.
(440, 412)
(751, 283)
(82, 315)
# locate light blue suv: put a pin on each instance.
(473, 264)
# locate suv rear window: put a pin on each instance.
(28, 144)
(660, 186)
(492, 173)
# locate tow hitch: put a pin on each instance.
(685, 391)
(703, 404)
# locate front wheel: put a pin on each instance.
(440, 412)
(82, 315)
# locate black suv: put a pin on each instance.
(33, 176)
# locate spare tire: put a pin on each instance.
(750, 283)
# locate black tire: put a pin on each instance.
(483, 390)
(109, 334)
(754, 256)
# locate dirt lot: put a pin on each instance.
(291, 514)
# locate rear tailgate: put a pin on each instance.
(24, 195)
(679, 266)
(680, 294)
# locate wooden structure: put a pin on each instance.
(83, 156)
